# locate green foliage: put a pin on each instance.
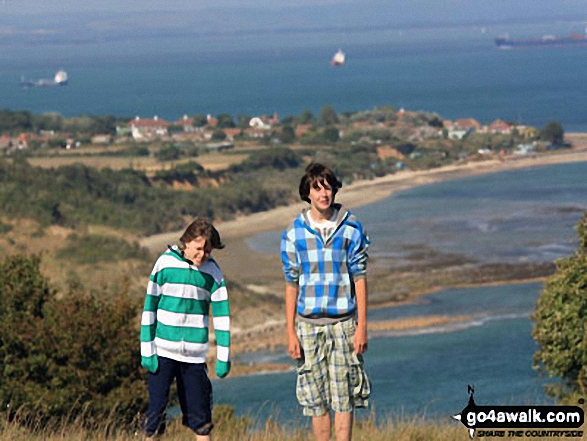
(94, 248)
(553, 132)
(200, 120)
(328, 115)
(12, 122)
(287, 135)
(306, 117)
(279, 158)
(78, 195)
(5, 228)
(65, 355)
(168, 153)
(225, 121)
(331, 134)
(186, 172)
(218, 135)
(561, 322)
(243, 120)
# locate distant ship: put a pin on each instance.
(60, 79)
(338, 59)
(576, 39)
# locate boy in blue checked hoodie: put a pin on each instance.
(324, 255)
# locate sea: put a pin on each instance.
(456, 71)
(515, 216)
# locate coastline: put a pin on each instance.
(369, 191)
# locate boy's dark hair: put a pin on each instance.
(201, 228)
(318, 174)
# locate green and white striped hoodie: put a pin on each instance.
(176, 313)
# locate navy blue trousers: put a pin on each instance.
(195, 396)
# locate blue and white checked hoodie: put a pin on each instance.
(325, 269)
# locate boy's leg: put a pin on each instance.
(321, 427)
(195, 398)
(343, 426)
(159, 385)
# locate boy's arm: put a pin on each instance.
(360, 340)
(291, 299)
(221, 320)
(149, 358)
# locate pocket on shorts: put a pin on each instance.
(307, 391)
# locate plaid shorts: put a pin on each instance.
(330, 374)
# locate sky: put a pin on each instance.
(239, 24)
(225, 14)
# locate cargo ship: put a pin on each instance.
(60, 79)
(505, 42)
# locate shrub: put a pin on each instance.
(561, 325)
(65, 356)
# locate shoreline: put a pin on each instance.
(366, 192)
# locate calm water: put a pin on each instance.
(513, 216)
(425, 373)
(457, 72)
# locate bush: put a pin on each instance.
(64, 356)
(94, 248)
(561, 325)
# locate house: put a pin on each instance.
(211, 121)
(467, 124)
(146, 129)
(22, 142)
(301, 129)
(187, 123)
(264, 122)
(458, 134)
(448, 124)
(501, 127)
(231, 133)
(256, 133)
(524, 149)
(5, 141)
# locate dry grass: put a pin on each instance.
(366, 430)
(211, 161)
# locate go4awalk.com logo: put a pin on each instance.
(521, 421)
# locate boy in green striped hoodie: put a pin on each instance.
(184, 283)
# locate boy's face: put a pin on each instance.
(197, 250)
(321, 196)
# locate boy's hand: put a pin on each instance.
(293, 346)
(360, 340)
(222, 368)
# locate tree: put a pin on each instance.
(243, 120)
(225, 121)
(306, 116)
(168, 153)
(331, 134)
(561, 326)
(328, 115)
(287, 135)
(200, 120)
(553, 132)
(218, 135)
